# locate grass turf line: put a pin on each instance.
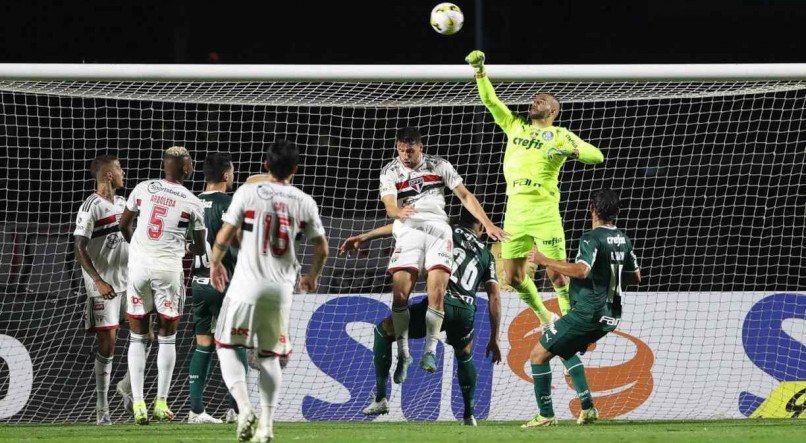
(779, 431)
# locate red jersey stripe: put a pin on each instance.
(249, 213)
(185, 215)
(426, 179)
(105, 221)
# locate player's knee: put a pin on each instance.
(204, 340)
(539, 355)
(388, 328)
(514, 280)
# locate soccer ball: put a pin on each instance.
(447, 18)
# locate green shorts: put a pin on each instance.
(206, 306)
(567, 336)
(458, 323)
(530, 225)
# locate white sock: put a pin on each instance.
(103, 367)
(433, 324)
(234, 375)
(270, 378)
(400, 320)
(137, 364)
(125, 383)
(166, 360)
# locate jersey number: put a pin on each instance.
(155, 223)
(276, 231)
(203, 261)
(468, 278)
(614, 288)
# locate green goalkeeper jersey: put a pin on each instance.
(527, 169)
(597, 299)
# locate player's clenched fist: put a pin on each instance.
(476, 60)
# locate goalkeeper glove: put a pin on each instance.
(476, 60)
(554, 152)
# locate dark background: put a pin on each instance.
(397, 31)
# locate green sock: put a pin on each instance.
(382, 352)
(541, 374)
(527, 291)
(199, 368)
(466, 373)
(244, 359)
(563, 298)
(577, 373)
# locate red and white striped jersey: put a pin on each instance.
(271, 216)
(167, 212)
(421, 186)
(98, 219)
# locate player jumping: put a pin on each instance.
(103, 256)
(167, 211)
(473, 264)
(219, 174)
(604, 263)
(412, 192)
(535, 153)
(256, 309)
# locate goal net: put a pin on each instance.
(712, 173)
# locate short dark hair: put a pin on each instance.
(215, 165)
(409, 135)
(282, 157)
(605, 203)
(467, 219)
(101, 162)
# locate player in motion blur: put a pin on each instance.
(219, 174)
(412, 191)
(256, 309)
(103, 256)
(604, 263)
(535, 153)
(473, 264)
(165, 212)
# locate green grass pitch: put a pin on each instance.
(778, 431)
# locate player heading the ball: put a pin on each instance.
(166, 211)
(411, 189)
(535, 153)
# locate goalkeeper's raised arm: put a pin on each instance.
(502, 115)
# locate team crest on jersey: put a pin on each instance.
(154, 187)
(548, 136)
(112, 240)
(416, 184)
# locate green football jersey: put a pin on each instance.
(527, 170)
(608, 252)
(473, 264)
(215, 205)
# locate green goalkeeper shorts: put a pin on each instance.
(206, 306)
(458, 323)
(530, 225)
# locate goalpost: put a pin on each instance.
(710, 161)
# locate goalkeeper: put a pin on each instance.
(535, 153)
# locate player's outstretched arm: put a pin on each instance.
(494, 306)
(471, 203)
(573, 270)
(218, 273)
(310, 281)
(501, 113)
(353, 243)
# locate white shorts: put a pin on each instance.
(155, 289)
(101, 314)
(422, 245)
(255, 315)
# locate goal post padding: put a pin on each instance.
(708, 159)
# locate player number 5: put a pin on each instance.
(155, 223)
